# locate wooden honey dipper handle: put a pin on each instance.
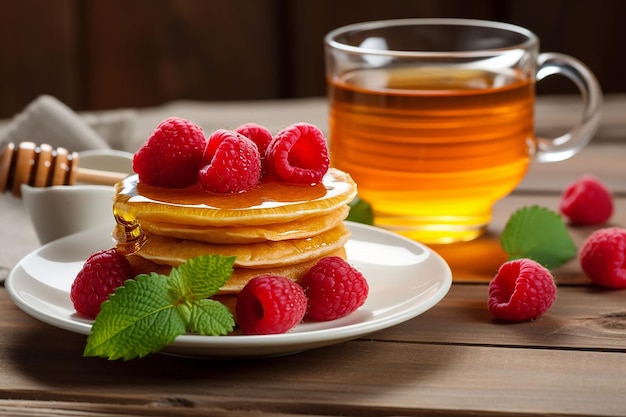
(99, 177)
(44, 166)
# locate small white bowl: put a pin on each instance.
(106, 160)
(62, 210)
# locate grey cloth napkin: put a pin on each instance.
(48, 120)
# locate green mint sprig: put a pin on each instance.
(360, 212)
(540, 234)
(149, 312)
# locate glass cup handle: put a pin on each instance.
(565, 146)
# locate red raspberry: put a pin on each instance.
(270, 304)
(522, 290)
(102, 273)
(258, 134)
(232, 163)
(298, 154)
(172, 154)
(334, 289)
(261, 136)
(586, 201)
(603, 257)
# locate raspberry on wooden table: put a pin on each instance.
(522, 290)
(603, 257)
(270, 304)
(298, 154)
(334, 289)
(587, 201)
(102, 273)
(172, 154)
(232, 163)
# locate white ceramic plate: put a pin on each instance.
(405, 280)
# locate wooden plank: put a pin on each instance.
(357, 378)
(39, 408)
(109, 54)
(478, 260)
(567, 37)
(586, 318)
(604, 160)
(310, 20)
(39, 53)
(195, 50)
(556, 114)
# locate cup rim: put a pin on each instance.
(65, 189)
(330, 41)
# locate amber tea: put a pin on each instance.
(432, 151)
(433, 118)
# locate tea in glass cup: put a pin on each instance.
(434, 118)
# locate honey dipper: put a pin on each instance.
(44, 166)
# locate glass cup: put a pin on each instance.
(434, 118)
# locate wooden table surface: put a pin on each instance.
(452, 360)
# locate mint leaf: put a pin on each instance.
(540, 234)
(361, 212)
(148, 313)
(138, 319)
(211, 318)
(202, 276)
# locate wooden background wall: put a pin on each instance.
(104, 54)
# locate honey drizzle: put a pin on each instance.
(130, 239)
(269, 194)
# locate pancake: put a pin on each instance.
(274, 228)
(173, 251)
(297, 229)
(269, 203)
(240, 276)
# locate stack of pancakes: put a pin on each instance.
(274, 228)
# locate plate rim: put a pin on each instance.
(281, 342)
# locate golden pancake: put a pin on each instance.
(275, 228)
(297, 229)
(270, 202)
(240, 276)
(172, 251)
